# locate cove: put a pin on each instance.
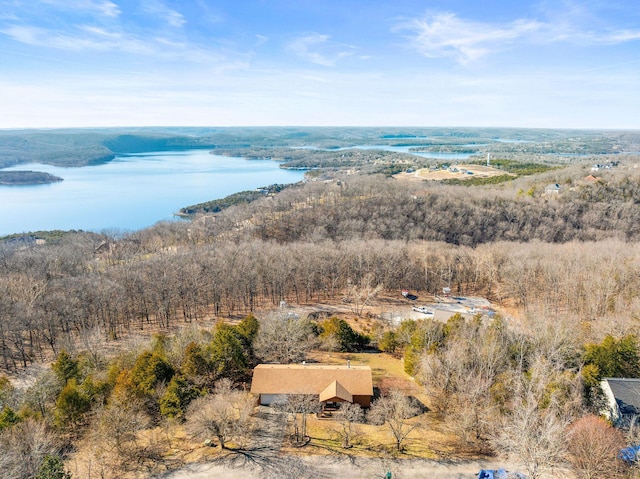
(131, 192)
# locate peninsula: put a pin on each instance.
(20, 178)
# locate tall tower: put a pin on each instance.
(488, 158)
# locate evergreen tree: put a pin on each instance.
(52, 467)
(196, 365)
(8, 418)
(227, 353)
(65, 367)
(180, 392)
(71, 405)
(346, 339)
(248, 329)
(616, 358)
(150, 370)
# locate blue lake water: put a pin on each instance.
(438, 155)
(130, 192)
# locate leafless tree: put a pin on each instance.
(23, 447)
(298, 407)
(593, 446)
(349, 415)
(225, 414)
(534, 432)
(395, 410)
(283, 338)
(119, 423)
(115, 447)
(360, 294)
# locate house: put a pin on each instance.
(622, 400)
(552, 189)
(332, 384)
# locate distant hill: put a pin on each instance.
(81, 147)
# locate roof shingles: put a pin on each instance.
(311, 379)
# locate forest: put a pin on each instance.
(26, 178)
(113, 345)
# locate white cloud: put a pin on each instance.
(615, 37)
(447, 35)
(84, 38)
(261, 40)
(444, 34)
(318, 49)
(109, 9)
(103, 7)
(87, 38)
(167, 14)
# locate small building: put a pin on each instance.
(332, 384)
(552, 189)
(623, 400)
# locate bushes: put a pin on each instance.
(615, 357)
(180, 392)
(337, 333)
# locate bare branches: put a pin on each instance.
(283, 338)
(225, 414)
(23, 447)
(395, 410)
(593, 447)
(349, 415)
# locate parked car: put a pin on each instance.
(423, 309)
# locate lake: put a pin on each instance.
(437, 155)
(131, 192)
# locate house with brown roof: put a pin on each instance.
(332, 384)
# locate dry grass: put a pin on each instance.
(423, 442)
(388, 371)
(430, 440)
(426, 174)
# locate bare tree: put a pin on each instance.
(22, 449)
(118, 425)
(534, 432)
(298, 407)
(283, 338)
(349, 415)
(593, 446)
(360, 294)
(533, 437)
(225, 414)
(395, 409)
(115, 446)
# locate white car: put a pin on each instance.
(423, 309)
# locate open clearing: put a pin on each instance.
(458, 172)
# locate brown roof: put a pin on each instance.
(335, 392)
(311, 379)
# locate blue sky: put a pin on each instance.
(557, 64)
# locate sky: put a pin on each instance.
(512, 63)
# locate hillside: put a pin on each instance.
(130, 337)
